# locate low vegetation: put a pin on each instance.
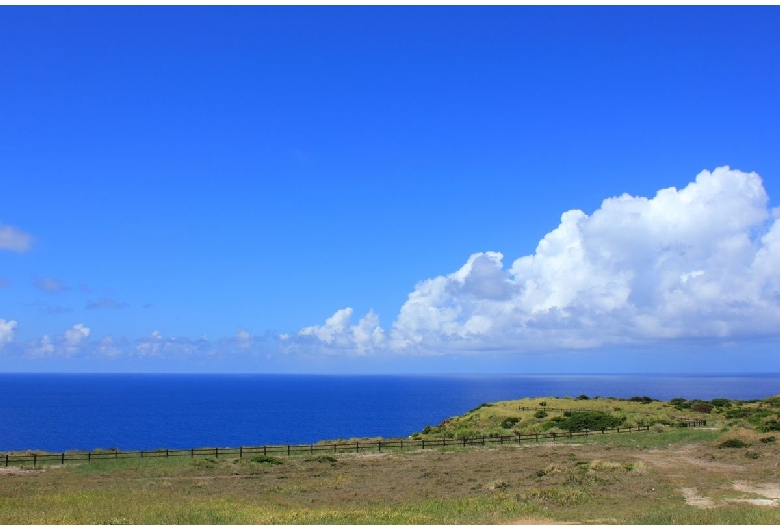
(538, 415)
(724, 473)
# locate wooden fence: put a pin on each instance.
(36, 459)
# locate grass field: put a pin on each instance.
(666, 475)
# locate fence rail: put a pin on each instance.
(288, 450)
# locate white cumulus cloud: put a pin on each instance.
(7, 328)
(699, 262)
(338, 331)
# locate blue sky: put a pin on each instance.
(311, 189)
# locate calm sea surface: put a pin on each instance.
(59, 412)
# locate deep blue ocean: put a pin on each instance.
(60, 412)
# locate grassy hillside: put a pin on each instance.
(550, 414)
(725, 473)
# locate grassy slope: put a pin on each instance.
(626, 478)
(487, 419)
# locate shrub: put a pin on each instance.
(701, 407)
(266, 459)
(542, 403)
(768, 439)
(641, 399)
(204, 462)
(732, 443)
(720, 402)
(540, 414)
(508, 423)
(582, 397)
(593, 421)
(769, 426)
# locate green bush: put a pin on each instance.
(769, 426)
(582, 397)
(720, 402)
(592, 421)
(508, 423)
(540, 414)
(641, 399)
(757, 417)
(265, 459)
(701, 407)
(773, 401)
(733, 443)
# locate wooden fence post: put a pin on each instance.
(423, 443)
(6, 460)
(264, 450)
(216, 452)
(89, 457)
(35, 459)
(192, 453)
(380, 446)
(241, 452)
(116, 455)
(63, 459)
(288, 449)
(166, 453)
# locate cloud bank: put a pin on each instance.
(699, 262)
